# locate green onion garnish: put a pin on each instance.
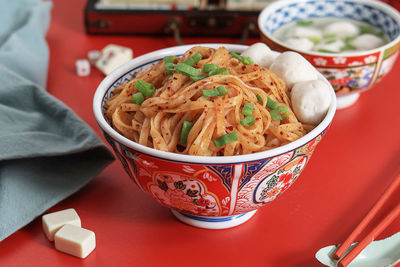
(248, 121)
(314, 39)
(209, 67)
(198, 77)
(138, 98)
(225, 139)
(169, 64)
(144, 87)
(248, 109)
(271, 103)
(245, 60)
(218, 91)
(325, 51)
(280, 113)
(186, 69)
(330, 36)
(169, 59)
(193, 59)
(186, 127)
(304, 22)
(259, 98)
(218, 72)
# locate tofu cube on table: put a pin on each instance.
(52, 222)
(75, 241)
(113, 56)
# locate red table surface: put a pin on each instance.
(349, 170)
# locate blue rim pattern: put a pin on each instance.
(332, 8)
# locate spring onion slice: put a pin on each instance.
(280, 113)
(209, 67)
(271, 103)
(225, 139)
(198, 77)
(144, 87)
(245, 60)
(248, 109)
(259, 98)
(193, 59)
(138, 98)
(219, 72)
(304, 22)
(218, 91)
(186, 69)
(248, 121)
(222, 90)
(169, 64)
(186, 127)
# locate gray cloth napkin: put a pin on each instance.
(46, 152)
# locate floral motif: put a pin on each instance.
(370, 59)
(319, 61)
(339, 60)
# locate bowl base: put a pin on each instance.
(345, 101)
(213, 222)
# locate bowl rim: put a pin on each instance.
(159, 54)
(270, 9)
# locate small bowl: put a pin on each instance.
(350, 73)
(203, 191)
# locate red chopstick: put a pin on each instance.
(361, 226)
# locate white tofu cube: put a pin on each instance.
(82, 67)
(113, 56)
(52, 222)
(74, 240)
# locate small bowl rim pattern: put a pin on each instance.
(268, 10)
(123, 70)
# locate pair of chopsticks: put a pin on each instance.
(361, 226)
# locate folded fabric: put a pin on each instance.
(46, 151)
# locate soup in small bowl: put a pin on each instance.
(353, 43)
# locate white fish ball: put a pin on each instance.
(302, 31)
(260, 53)
(293, 67)
(367, 41)
(342, 29)
(311, 101)
(300, 43)
(333, 46)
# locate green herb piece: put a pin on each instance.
(314, 39)
(280, 113)
(169, 64)
(193, 59)
(210, 67)
(225, 139)
(331, 41)
(271, 104)
(325, 51)
(259, 98)
(304, 22)
(248, 121)
(138, 98)
(186, 127)
(144, 87)
(198, 77)
(347, 47)
(330, 36)
(169, 59)
(219, 72)
(218, 91)
(245, 60)
(248, 109)
(186, 69)
(371, 30)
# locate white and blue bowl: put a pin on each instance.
(350, 73)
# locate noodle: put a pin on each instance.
(158, 120)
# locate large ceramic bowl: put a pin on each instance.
(203, 191)
(349, 72)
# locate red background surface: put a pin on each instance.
(349, 170)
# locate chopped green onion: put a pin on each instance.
(218, 72)
(279, 113)
(259, 98)
(144, 87)
(186, 127)
(245, 60)
(325, 51)
(304, 22)
(271, 103)
(331, 41)
(248, 109)
(347, 47)
(314, 39)
(193, 59)
(370, 29)
(209, 67)
(330, 35)
(169, 64)
(138, 98)
(169, 59)
(225, 139)
(186, 69)
(222, 90)
(248, 121)
(218, 91)
(198, 77)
